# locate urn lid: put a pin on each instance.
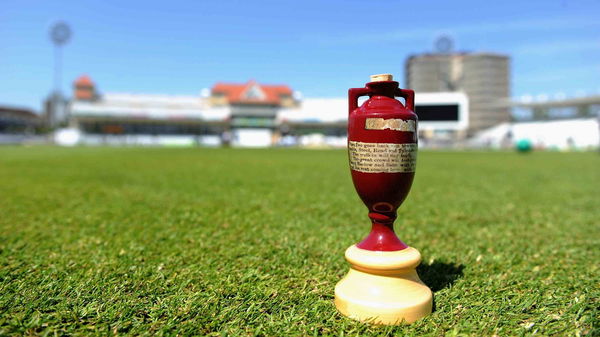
(382, 77)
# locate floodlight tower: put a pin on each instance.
(60, 34)
(444, 47)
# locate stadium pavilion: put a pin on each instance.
(247, 114)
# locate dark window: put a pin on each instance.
(438, 113)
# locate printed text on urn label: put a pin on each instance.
(382, 157)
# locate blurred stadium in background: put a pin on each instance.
(463, 100)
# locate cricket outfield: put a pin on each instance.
(147, 241)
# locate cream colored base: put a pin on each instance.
(383, 287)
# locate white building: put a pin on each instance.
(249, 114)
(567, 134)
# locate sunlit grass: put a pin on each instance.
(224, 241)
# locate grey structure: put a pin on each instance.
(483, 77)
(558, 107)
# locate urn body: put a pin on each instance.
(382, 148)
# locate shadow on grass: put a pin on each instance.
(439, 275)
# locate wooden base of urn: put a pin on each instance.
(382, 287)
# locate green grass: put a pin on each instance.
(102, 241)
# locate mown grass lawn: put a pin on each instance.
(132, 241)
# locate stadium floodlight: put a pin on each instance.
(444, 44)
(60, 34)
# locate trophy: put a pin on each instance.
(382, 286)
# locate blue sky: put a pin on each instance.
(320, 48)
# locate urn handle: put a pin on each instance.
(409, 96)
(353, 95)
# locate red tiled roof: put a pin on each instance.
(84, 80)
(84, 87)
(235, 92)
(84, 94)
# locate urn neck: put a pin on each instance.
(383, 88)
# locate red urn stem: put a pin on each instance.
(382, 236)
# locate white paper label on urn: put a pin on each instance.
(396, 124)
(382, 157)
